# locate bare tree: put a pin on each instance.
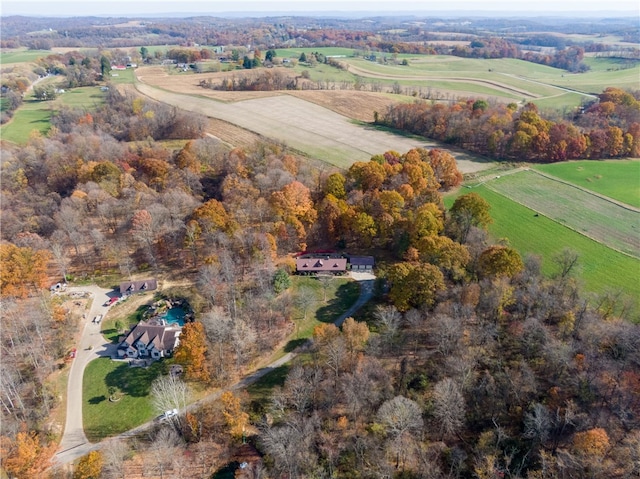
(163, 449)
(388, 319)
(169, 392)
(115, 453)
(537, 423)
(325, 282)
(219, 328)
(566, 261)
(304, 300)
(402, 419)
(448, 406)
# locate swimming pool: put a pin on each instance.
(174, 316)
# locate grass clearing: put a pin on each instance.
(601, 268)
(591, 215)
(341, 293)
(32, 115)
(122, 76)
(103, 418)
(36, 115)
(617, 179)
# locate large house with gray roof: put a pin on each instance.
(152, 339)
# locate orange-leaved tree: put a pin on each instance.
(27, 455)
(191, 352)
(234, 416)
(89, 466)
(23, 270)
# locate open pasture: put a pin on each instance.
(307, 127)
(617, 179)
(600, 268)
(594, 216)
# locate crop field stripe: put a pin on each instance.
(602, 220)
(617, 179)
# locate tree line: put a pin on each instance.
(609, 128)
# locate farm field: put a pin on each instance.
(593, 216)
(617, 179)
(306, 127)
(601, 268)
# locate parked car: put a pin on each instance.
(111, 301)
(168, 414)
(72, 353)
(97, 319)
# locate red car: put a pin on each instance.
(112, 301)
(72, 353)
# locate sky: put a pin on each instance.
(213, 7)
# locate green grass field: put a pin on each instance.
(32, 115)
(124, 76)
(341, 294)
(594, 216)
(36, 115)
(617, 179)
(103, 418)
(22, 55)
(601, 268)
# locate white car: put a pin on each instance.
(168, 414)
(97, 319)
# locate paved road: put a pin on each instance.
(91, 345)
(74, 443)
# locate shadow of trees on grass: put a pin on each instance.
(135, 382)
(346, 295)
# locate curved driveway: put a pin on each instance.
(74, 443)
(91, 345)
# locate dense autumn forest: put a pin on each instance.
(469, 363)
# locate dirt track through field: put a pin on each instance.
(306, 127)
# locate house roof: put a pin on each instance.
(323, 263)
(136, 286)
(162, 337)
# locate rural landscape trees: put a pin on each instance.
(471, 360)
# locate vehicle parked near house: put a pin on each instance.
(112, 301)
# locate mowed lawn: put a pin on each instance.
(617, 179)
(601, 268)
(594, 216)
(103, 418)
